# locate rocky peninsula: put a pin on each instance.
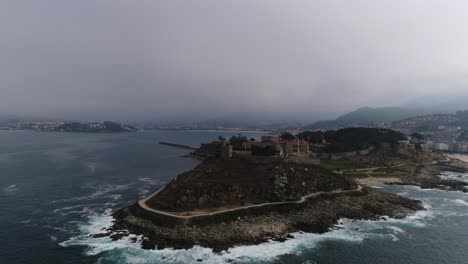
(220, 204)
(280, 187)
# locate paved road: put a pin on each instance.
(143, 205)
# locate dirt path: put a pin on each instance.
(143, 205)
(367, 170)
(461, 157)
(377, 180)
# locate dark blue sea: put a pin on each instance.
(58, 188)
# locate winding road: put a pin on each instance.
(142, 204)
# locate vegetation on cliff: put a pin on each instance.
(106, 126)
(317, 215)
(352, 139)
(219, 183)
(365, 116)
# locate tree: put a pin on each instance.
(287, 136)
(417, 136)
(237, 141)
(263, 151)
(220, 138)
(311, 136)
(418, 147)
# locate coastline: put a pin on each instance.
(322, 199)
(462, 157)
(258, 225)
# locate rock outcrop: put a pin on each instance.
(218, 184)
(252, 227)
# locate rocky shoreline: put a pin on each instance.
(214, 184)
(318, 215)
(428, 177)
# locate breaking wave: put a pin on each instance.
(12, 189)
(125, 251)
(454, 176)
(101, 192)
(461, 202)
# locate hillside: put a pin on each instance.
(366, 116)
(218, 183)
(107, 126)
(352, 139)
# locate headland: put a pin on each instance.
(248, 192)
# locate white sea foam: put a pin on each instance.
(461, 202)
(148, 186)
(67, 208)
(12, 189)
(91, 166)
(396, 229)
(149, 181)
(394, 238)
(101, 192)
(454, 176)
(124, 251)
(83, 211)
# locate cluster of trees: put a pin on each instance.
(263, 151)
(342, 140)
(463, 118)
(351, 139)
(107, 126)
(237, 140)
(463, 135)
(287, 136)
(314, 137)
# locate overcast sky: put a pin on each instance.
(135, 59)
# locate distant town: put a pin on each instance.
(63, 126)
(437, 132)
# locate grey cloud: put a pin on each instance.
(150, 59)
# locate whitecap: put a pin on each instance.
(396, 229)
(67, 208)
(91, 166)
(101, 192)
(454, 176)
(125, 251)
(83, 211)
(12, 189)
(461, 202)
(150, 181)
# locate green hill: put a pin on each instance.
(352, 139)
(366, 116)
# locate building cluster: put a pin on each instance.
(442, 127)
(437, 145)
(96, 125)
(429, 120)
(33, 125)
(292, 147)
(267, 146)
(218, 149)
(449, 146)
(48, 125)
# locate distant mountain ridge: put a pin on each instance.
(366, 116)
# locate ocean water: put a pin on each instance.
(58, 188)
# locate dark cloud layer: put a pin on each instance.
(160, 59)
